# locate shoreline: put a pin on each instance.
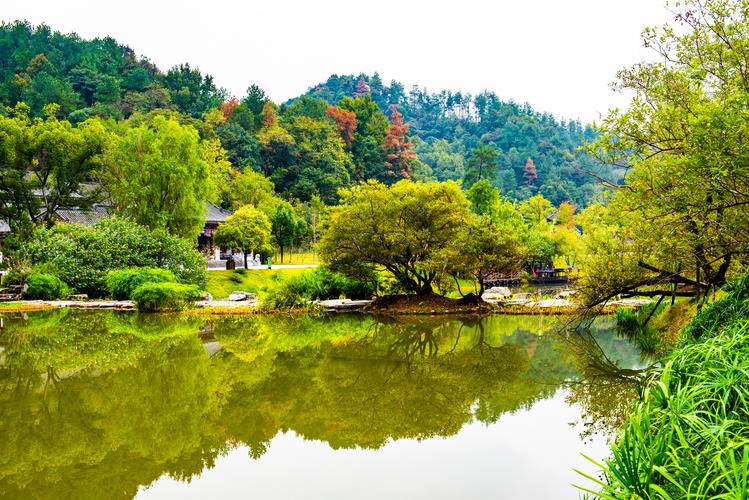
(550, 307)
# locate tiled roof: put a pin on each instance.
(84, 217)
(214, 213)
(98, 212)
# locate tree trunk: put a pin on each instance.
(245, 259)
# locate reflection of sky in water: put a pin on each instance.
(97, 404)
(527, 454)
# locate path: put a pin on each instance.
(265, 268)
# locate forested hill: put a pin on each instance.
(306, 146)
(449, 128)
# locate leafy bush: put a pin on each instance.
(287, 295)
(160, 297)
(16, 276)
(45, 287)
(123, 282)
(320, 284)
(323, 284)
(83, 255)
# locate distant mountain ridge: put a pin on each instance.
(535, 153)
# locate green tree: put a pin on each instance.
(44, 165)
(243, 149)
(191, 91)
(484, 197)
(482, 164)
(157, 176)
(404, 229)
(248, 229)
(486, 248)
(253, 188)
(287, 227)
(683, 140)
(322, 165)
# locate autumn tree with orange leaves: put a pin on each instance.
(346, 122)
(399, 154)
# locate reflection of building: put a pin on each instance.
(215, 216)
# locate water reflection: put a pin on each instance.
(96, 404)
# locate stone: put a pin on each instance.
(78, 296)
(206, 296)
(238, 296)
(496, 293)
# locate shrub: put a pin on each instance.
(320, 284)
(287, 295)
(83, 255)
(123, 282)
(16, 276)
(160, 297)
(45, 287)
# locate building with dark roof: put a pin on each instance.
(215, 216)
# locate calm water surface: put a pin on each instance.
(119, 405)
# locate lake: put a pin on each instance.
(106, 405)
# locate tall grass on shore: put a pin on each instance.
(688, 436)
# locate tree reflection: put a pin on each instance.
(95, 404)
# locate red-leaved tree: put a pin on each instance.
(529, 171)
(228, 107)
(399, 154)
(346, 121)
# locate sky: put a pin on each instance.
(560, 56)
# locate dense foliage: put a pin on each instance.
(43, 286)
(82, 256)
(320, 284)
(687, 436)
(121, 283)
(460, 136)
(342, 133)
(165, 297)
(680, 223)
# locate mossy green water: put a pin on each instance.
(98, 404)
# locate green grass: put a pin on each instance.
(296, 258)
(221, 283)
(688, 436)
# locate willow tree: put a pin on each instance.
(157, 176)
(404, 229)
(682, 215)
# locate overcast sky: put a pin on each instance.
(558, 55)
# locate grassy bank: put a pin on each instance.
(221, 283)
(688, 435)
